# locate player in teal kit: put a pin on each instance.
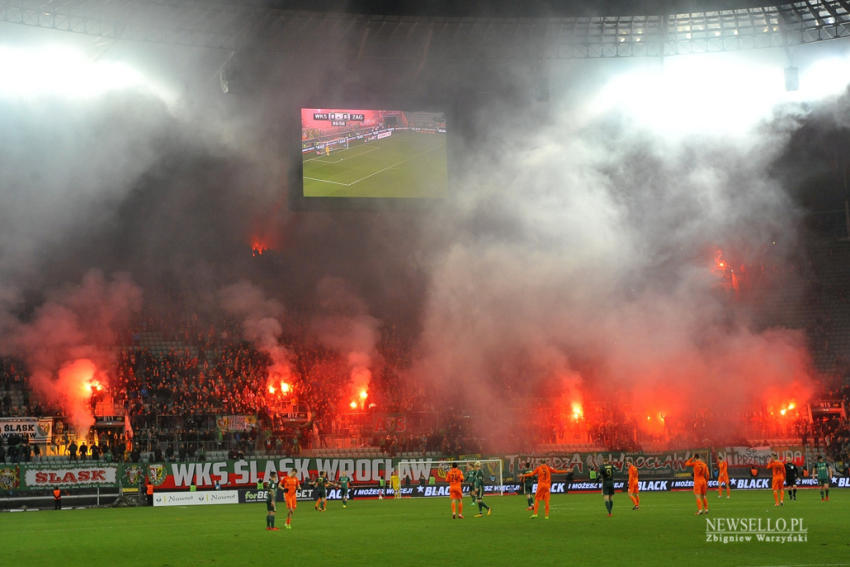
(606, 473)
(320, 486)
(344, 484)
(824, 473)
(478, 489)
(271, 505)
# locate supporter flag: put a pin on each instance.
(128, 428)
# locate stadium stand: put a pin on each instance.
(176, 377)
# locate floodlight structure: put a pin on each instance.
(231, 26)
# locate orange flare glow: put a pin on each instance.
(258, 247)
(578, 413)
(353, 404)
(363, 394)
(719, 261)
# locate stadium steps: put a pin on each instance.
(569, 448)
(159, 346)
(360, 452)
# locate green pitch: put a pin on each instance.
(421, 532)
(405, 165)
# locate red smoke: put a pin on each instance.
(72, 390)
(70, 340)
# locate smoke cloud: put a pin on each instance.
(261, 324)
(69, 342)
(574, 265)
(592, 264)
(344, 324)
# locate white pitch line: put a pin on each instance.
(326, 181)
(319, 158)
(393, 165)
(374, 173)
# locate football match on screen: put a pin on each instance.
(373, 153)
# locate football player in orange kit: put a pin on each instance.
(633, 484)
(722, 475)
(544, 483)
(778, 484)
(455, 478)
(290, 485)
(700, 482)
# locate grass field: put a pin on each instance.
(420, 532)
(405, 165)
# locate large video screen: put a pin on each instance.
(386, 154)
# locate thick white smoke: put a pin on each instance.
(574, 262)
(592, 239)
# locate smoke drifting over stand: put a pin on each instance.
(570, 281)
(343, 324)
(593, 261)
(69, 343)
(261, 324)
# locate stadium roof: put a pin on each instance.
(514, 8)
(405, 30)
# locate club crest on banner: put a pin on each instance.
(9, 478)
(156, 474)
(133, 474)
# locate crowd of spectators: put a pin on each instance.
(14, 392)
(175, 388)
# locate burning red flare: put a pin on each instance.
(258, 247)
(282, 387)
(786, 409)
(578, 412)
(719, 262)
(725, 271)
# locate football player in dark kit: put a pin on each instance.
(478, 489)
(606, 474)
(271, 506)
(320, 486)
(824, 474)
(528, 481)
(791, 480)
